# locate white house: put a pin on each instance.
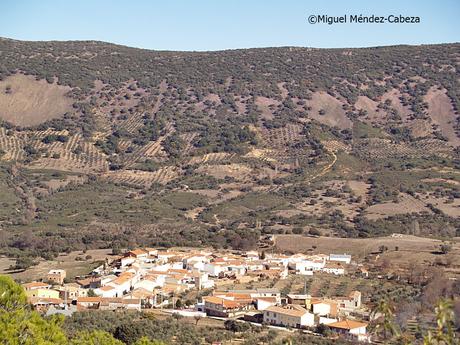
(108, 292)
(307, 266)
(262, 292)
(302, 268)
(151, 251)
(326, 320)
(345, 258)
(291, 315)
(324, 308)
(263, 303)
(334, 268)
(120, 303)
(190, 260)
(137, 253)
(255, 265)
(214, 269)
(350, 303)
(202, 281)
(238, 267)
(123, 283)
(350, 328)
(107, 279)
(161, 268)
(127, 260)
(195, 265)
(166, 255)
(148, 284)
(132, 304)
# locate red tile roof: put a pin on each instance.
(347, 324)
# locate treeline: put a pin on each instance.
(252, 71)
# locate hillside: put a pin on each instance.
(104, 145)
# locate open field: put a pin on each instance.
(334, 114)
(443, 114)
(63, 261)
(405, 204)
(410, 248)
(30, 102)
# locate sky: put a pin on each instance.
(216, 25)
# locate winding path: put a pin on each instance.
(325, 169)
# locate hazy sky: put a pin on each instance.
(218, 24)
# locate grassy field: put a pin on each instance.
(410, 248)
(241, 206)
(32, 102)
(67, 262)
(101, 201)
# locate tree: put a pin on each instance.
(130, 333)
(147, 341)
(314, 232)
(116, 250)
(24, 327)
(197, 319)
(383, 249)
(179, 304)
(23, 263)
(445, 330)
(323, 329)
(235, 326)
(384, 320)
(12, 295)
(297, 230)
(95, 338)
(21, 326)
(445, 248)
(91, 293)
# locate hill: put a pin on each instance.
(104, 145)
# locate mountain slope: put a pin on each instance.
(219, 147)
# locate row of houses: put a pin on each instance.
(296, 316)
(150, 278)
(166, 272)
(261, 299)
(295, 311)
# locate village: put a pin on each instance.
(146, 279)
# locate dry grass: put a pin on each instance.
(394, 96)
(405, 204)
(334, 116)
(220, 171)
(262, 154)
(411, 248)
(32, 102)
(359, 188)
(63, 261)
(441, 111)
(264, 104)
(451, 209)
(370, 106)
